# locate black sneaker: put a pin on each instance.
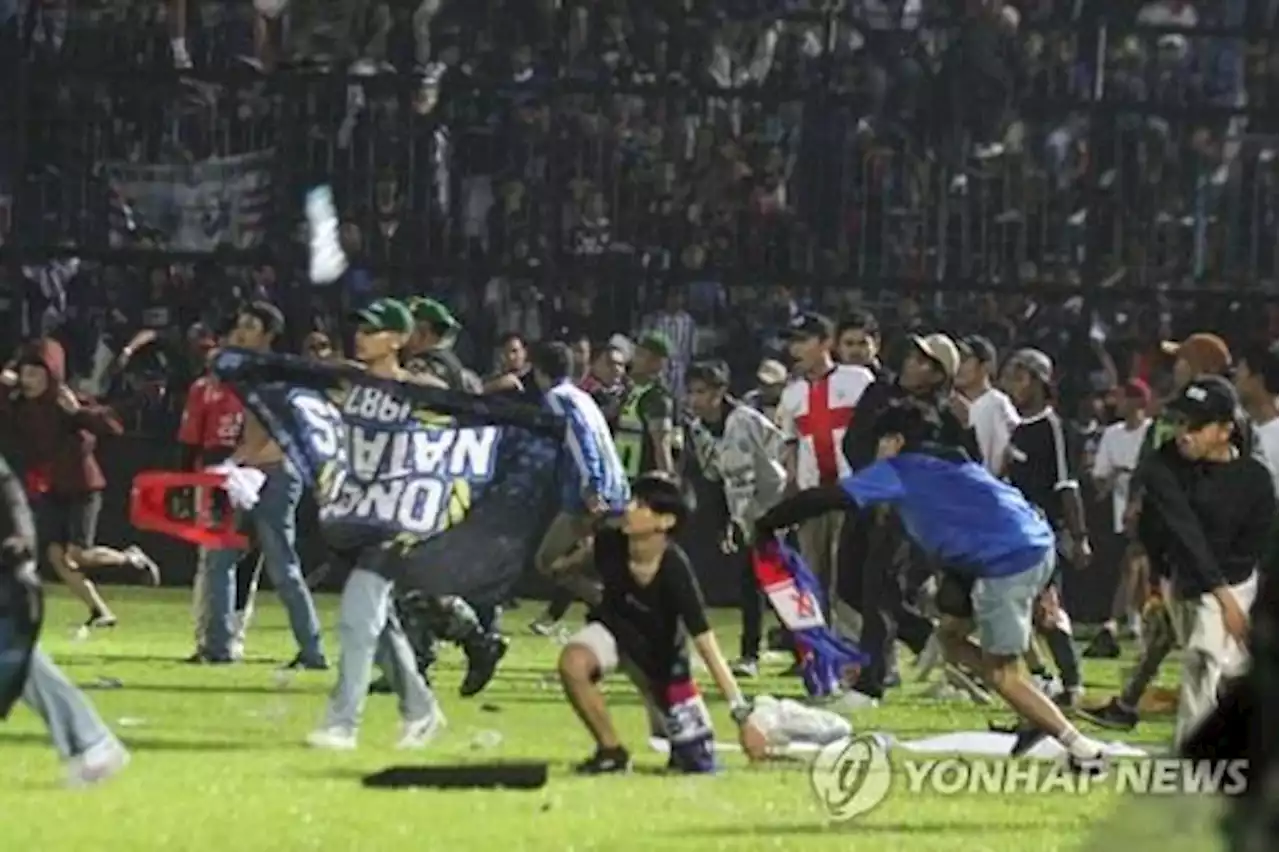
(381, 686)
(611, 761)
(1026, 737)
(302, 663)
(1103, 647)
(199, 658)
(1111, 716)
(483, 657)
(1068, 699)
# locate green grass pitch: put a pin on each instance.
(219, 764)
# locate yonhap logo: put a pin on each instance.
(851, 777)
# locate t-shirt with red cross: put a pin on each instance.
(815, 414)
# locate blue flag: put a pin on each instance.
(826, 659)
(444, 492)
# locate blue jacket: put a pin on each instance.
(958, 513)
(592, 465)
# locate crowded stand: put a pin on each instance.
(1040, 232)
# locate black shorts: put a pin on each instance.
(63, 519)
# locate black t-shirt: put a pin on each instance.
(652, 623)
(1042, 463)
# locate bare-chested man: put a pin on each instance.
(274, 523)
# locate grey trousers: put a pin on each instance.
(369, 631)
(74, 726)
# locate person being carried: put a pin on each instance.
(640, 622)
(995, 550)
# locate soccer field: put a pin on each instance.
(219, 763)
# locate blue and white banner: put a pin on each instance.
(444, 492)
(826, 659)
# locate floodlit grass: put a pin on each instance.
(219, 763)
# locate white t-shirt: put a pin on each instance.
(1269, 437)
(992, 417)
(1117, 455)
(815, 415)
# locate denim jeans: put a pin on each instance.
(74, 726)
(275, 528)
(370, 632)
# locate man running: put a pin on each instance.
(640, 623)
(367, 622)
(53, 433)
(995, 550)
(1201, 354)
(429, 356)
(594, 482)
(1209, 512)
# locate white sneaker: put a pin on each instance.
(852, 700)
(144, 563)
(332, 739)
(419, 732)
(99, 763)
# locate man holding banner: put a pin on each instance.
(367, 623)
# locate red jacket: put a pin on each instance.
(55, 449)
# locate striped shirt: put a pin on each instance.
(681, 330)
(592, 466)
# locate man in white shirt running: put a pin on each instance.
(986, 409)
(1113, 465)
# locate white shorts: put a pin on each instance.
(597, 639)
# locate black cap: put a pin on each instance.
(977, 346)
(810, 324)
(1208, 399)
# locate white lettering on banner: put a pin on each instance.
(404, 473)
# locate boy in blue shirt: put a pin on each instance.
(996, 553)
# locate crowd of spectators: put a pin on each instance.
(1089, 176)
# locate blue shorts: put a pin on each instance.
(1002, 607)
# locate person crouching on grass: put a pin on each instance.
(995, 549)
(648, 607)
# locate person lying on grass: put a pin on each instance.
(646, 608)
(995, 550)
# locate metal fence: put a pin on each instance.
(1099, 157)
